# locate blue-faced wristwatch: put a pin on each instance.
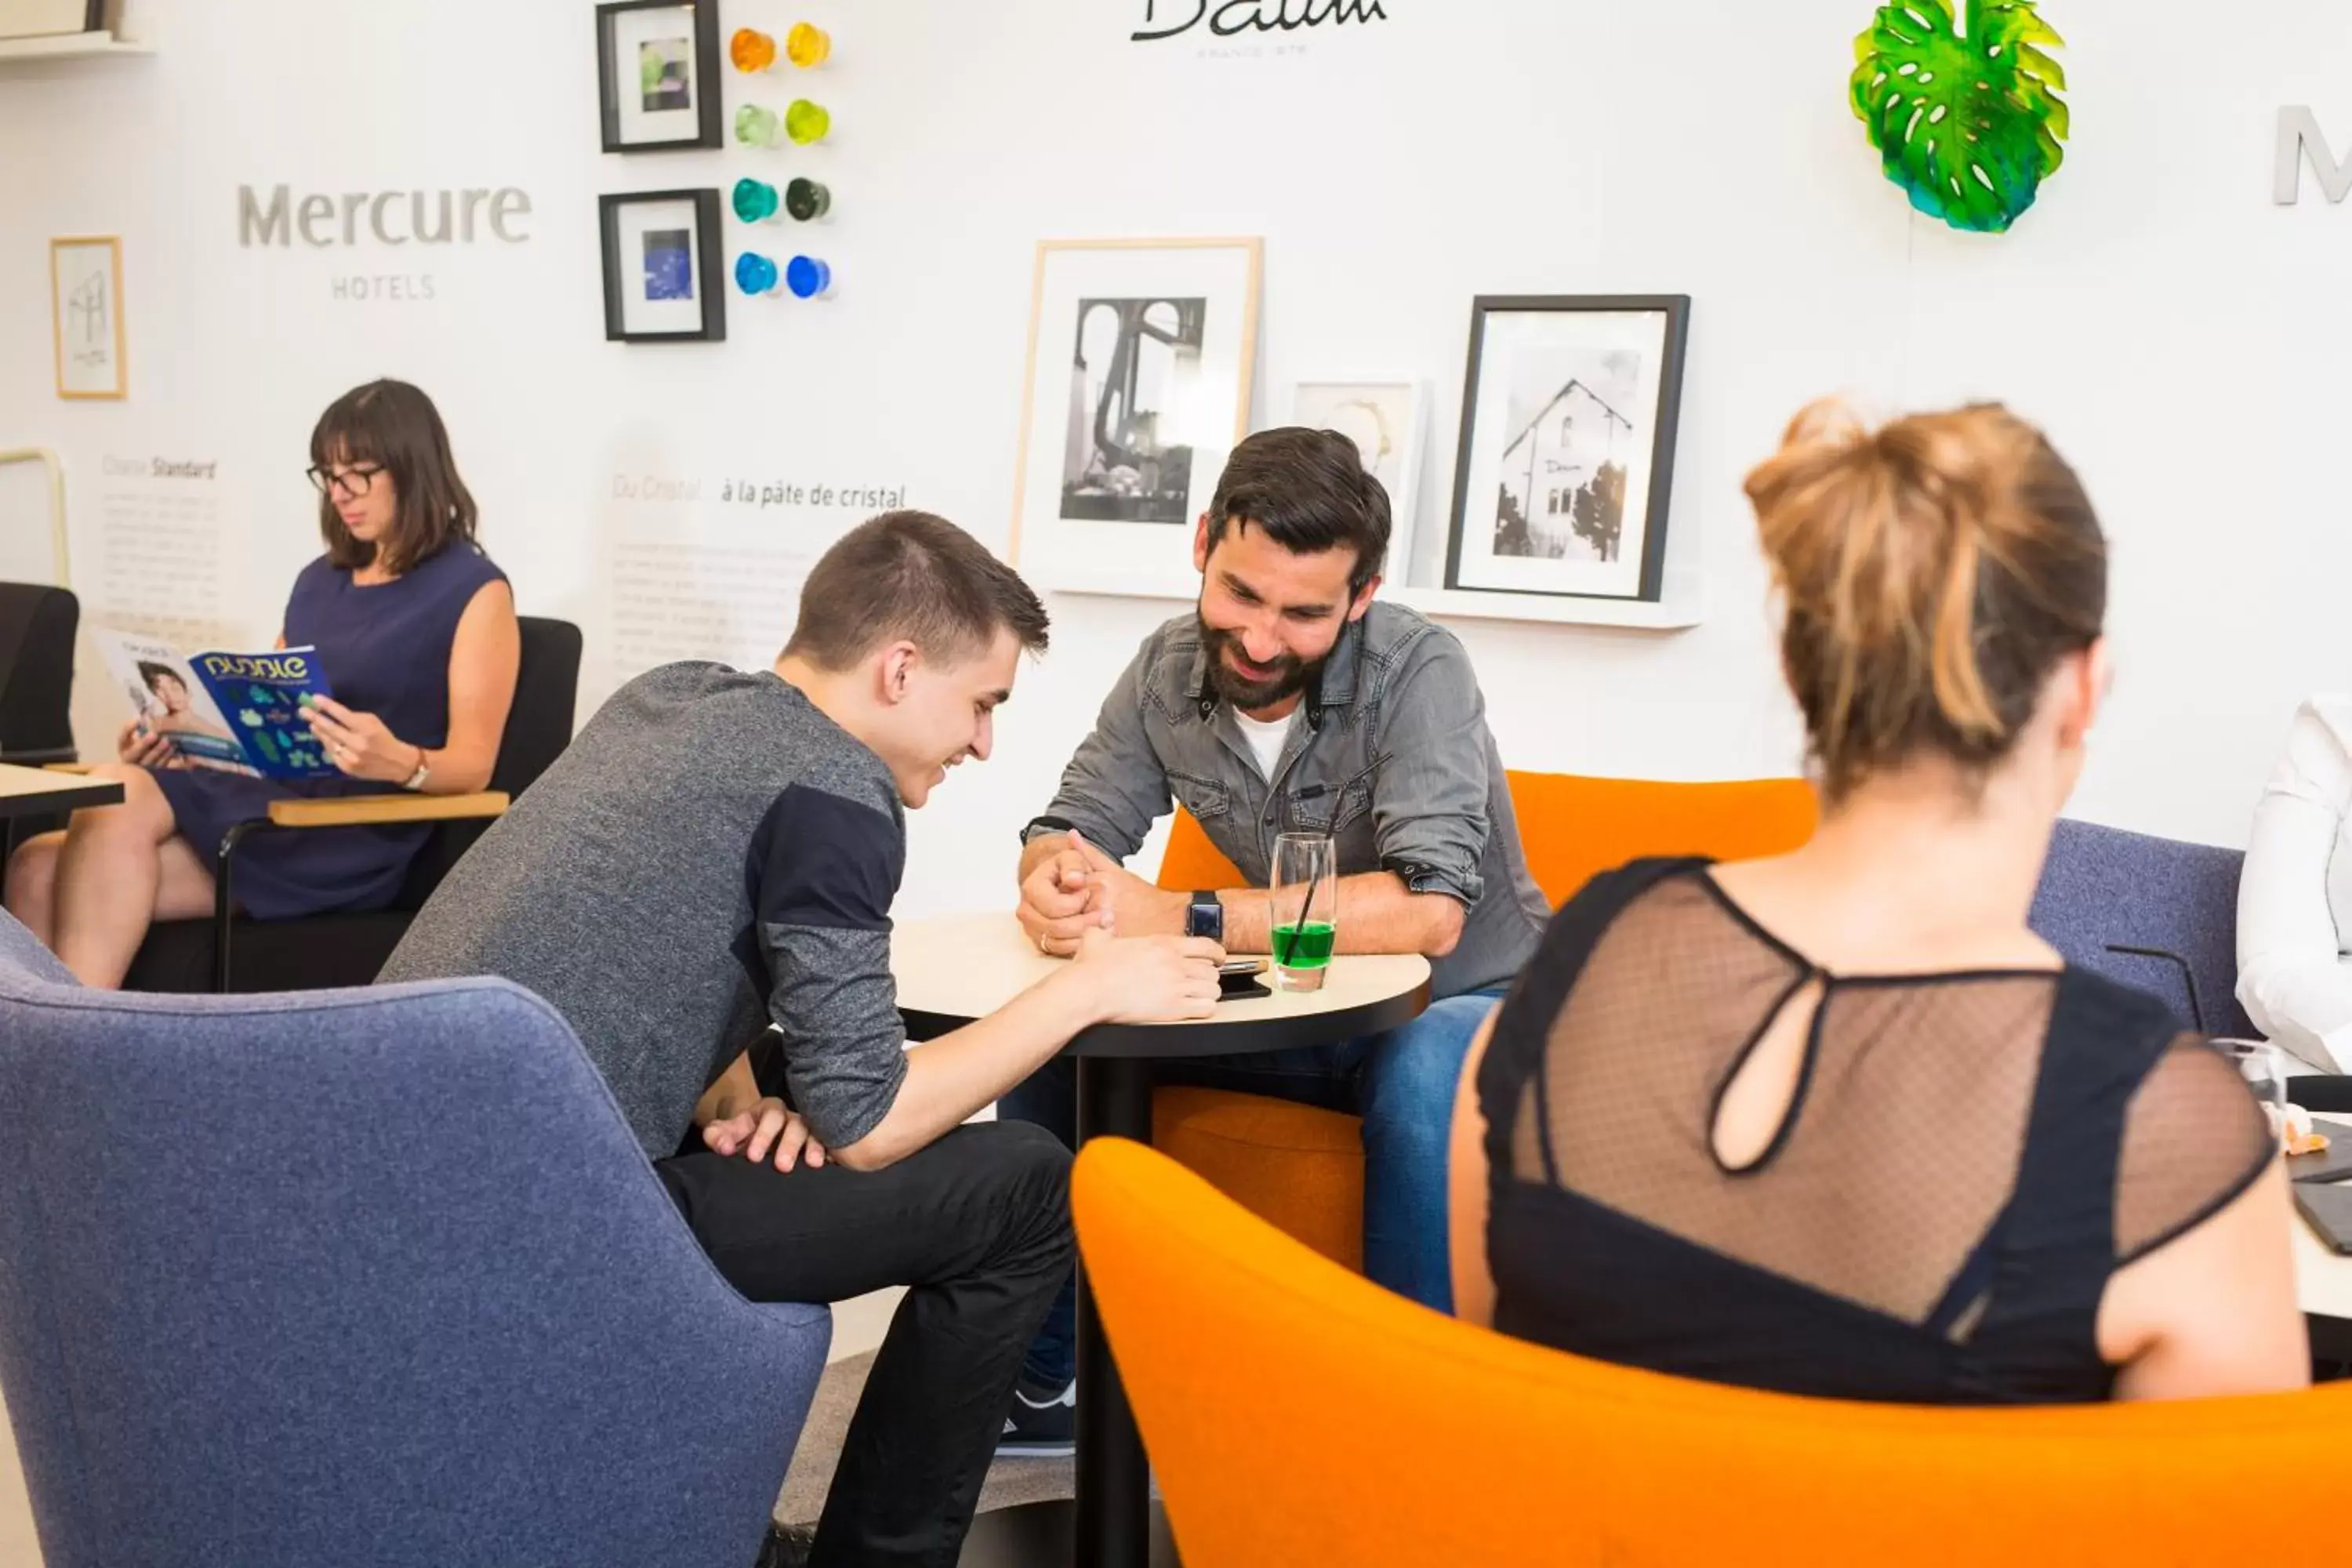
(1205, 916)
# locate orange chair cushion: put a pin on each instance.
(1571, 827)
(1299, 1167)
(1381, 1434)
(1302, 1170)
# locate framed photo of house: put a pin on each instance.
(1386, 418)
(1568, 445)
(1141, 356)
(663, 267)
(86, 316)
(657, 74)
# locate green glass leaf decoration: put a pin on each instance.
(1968, 124)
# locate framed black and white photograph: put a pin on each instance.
(1140, 358)
(1385, 417)
(664, 264)
(658, 75)
(1568, 445)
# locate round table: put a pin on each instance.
(952, 970)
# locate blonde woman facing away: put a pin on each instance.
(1837, 1124)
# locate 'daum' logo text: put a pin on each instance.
(1173, 18)
(288, 666)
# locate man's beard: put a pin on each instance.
(1291, 674)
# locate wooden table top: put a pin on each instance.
(26, 792)
(956, 968)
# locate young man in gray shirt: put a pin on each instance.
(1293, 700)
(717, 853)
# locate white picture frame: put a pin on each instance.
(1388, 418)
(86, 316)
(1142, 355)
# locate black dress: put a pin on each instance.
(1967, 1157)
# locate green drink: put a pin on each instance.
(1303, 912)
(1304, 947)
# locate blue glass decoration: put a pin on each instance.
(807, 277)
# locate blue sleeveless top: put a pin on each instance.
(385, 650)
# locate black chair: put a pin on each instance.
(348, 948)
(37, 671)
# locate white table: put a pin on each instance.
(951, 971)
(2323, 1279)
(36, 791)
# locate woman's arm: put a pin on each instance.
(1467, 1174)
(484, 659)
(2292, 976)
(2212, 1312)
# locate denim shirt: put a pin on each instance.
(1392, 757)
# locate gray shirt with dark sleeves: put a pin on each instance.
(1393, 760)
(710, 854)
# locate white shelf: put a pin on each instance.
(68, 46)
(1677, 612)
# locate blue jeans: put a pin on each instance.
(1400, 1082)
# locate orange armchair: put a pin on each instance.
(1381, 1432)
(1302, 1168)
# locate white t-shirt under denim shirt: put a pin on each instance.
(2294, 898)
(1266, 738)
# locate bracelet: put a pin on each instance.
(423, 771)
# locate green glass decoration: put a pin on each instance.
(1969, 124)
(805, 122)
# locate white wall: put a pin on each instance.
(2173, 328)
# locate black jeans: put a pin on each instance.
(977, 1226)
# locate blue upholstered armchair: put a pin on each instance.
(2105, 892)
(363, 1277)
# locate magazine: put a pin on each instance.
(235, 712)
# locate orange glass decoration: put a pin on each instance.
(808, 45)
(752, 50)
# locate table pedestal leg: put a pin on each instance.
(1114, 1517)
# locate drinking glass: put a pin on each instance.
(2263, 1066)
(1304, 900)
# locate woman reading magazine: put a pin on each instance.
(415, 630)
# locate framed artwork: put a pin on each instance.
(1142, 354)
(663, 267)
(86, 316)
(657, 74)
(1568, 445)
(1384, 417)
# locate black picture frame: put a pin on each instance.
(711, 273)
(1666, 419)
(609, 76)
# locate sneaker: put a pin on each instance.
(1044, 1421)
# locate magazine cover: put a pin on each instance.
(235, 712)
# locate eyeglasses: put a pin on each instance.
(349, 483)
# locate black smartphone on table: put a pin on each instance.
(2328, 1206)
(1237, 978)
